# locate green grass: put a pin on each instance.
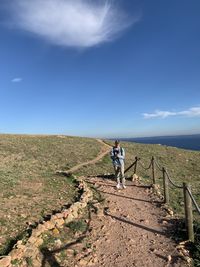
(77, 226)
(29, 185)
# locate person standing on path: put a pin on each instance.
(117, 155)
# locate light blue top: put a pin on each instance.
(117, 155)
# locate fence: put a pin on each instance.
(188, 197)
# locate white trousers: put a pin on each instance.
(119, 174)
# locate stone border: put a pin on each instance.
(21, 251)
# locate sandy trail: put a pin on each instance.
(132, 230)
(104, 150)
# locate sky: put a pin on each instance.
(100, 68)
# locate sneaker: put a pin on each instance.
(123, 186)
(118, 186)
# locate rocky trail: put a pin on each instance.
(132, 230)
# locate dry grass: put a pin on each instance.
(29, 187)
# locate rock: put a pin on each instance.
(135, 177)
(58, 243)
(83, 262)
(32, 240)
(6, 261)
(60, 222)
(74, 213)
(36, 262)
(65, 213)
(36, 232)
(59, 215)
(69, 218)
(31, 251)
(17, 253)
(169, 258)
(49, 225)
(41, 228)
(70, 252)
(38, 242)
(171, 212)
(54, 218)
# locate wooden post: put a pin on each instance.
(165, 186)
(153, 170)
(188, 212)
(135, 167)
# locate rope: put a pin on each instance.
(144, 167)
(177, 186)
(193, 200)
(130, 166)
(160, 168)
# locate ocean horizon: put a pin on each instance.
(191, 142)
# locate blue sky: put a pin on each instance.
(100, 68)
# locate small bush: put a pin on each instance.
(77, 226)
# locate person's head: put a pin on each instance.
(117, 143)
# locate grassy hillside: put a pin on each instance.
(182, 165)
(29, 187)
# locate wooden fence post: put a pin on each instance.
(165, 186)
(188, 212)
(153, 170)
(135, 167)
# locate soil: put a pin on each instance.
(132, 231)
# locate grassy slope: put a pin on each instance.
(29, 187)
(182, 165)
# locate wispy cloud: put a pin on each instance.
(191, 112)
(16, 80)
(74, 23)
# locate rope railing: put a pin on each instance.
(133, 164)
(172, 182)
(158, 165)
(188, 197)
(145, 168)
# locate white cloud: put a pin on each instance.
(16, 80)
(158, 114)
(191, 112)
(74, 23)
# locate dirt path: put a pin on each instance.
(104, 150)
(132, 232)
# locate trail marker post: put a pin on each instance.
(153, 170)
(165, 186)
(188, 212)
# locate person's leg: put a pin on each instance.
(117, 175)
(123, 176)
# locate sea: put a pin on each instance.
(191, 142)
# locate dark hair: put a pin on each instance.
(117, 141)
